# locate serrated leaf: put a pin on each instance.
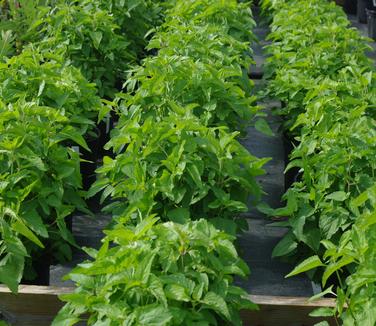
(285, 246)
(217, 303)
(333, 267)
(337, 196)
(21, 228)
(306, 265)
(322, 312)
(262, 126)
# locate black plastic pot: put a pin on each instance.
(41, 267)
(371, 17)
(361, 10)
(69, 222)
(349, 6)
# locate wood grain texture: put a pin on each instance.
(37, 306)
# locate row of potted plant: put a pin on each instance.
(95, 36)
(326, 83)
(179, 180)
(47, 105)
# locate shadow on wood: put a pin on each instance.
(37, 306)
(285, 311)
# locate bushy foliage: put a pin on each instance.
(320, 71)
(158, 274)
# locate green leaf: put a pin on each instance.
(176, 292)
(11, 270)
(337, 195)
(321, 294)
(333, 267)
(322, 323)
(35, 222)
(306, 265)
(153, 315)
(179, 215)
(323, 312)
(97, 38)
(97, 186)
(262, 126)
(72, 134)
(285, 246)
(217, 303)
(21, 228)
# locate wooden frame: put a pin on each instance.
(37, 306)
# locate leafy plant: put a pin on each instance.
(174, 161)
(356, 249)
(218, 100)
(297, 63)
(39, 188)
(187, 169)
(159, 274)
(328, 87)
(173, 150)
(135, 19)
(201, 59)
(17, 16)
(335, 154)
(47, 80)
(87, 36)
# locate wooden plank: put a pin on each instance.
(33, 305)
(37, 306)
(289, 311)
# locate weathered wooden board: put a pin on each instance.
(285, 311)
(37, 305)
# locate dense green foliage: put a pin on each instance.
(49, 51)
(101, 38)
(178, 158)
(176, 117)
(321, 73)
(45, 105)
(159, 274)
(180, 167)
(38, 188)
(47, 80)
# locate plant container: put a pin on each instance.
(371, 16)
(41, 266)
(361, 10)
(349, 6)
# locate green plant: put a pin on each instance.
(88, 37)
(356, 295)
(297, 63)
(96, 36)
(234, 16)
(175, 159)
(335, 155)
(17, 16)
(159, 274)
(173, 124)
(46, 79)
(187, 169)
(39, 188)
(135, 19)
(202, 59)
(327, 85)
(218, 99)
